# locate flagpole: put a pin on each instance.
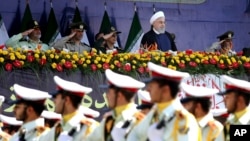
(27, 1)
(76, 2)
(105, 5)
(51, 4)
(135, 8)
(153, 8)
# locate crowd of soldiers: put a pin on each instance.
(161, 116)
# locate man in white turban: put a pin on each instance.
(157, 38)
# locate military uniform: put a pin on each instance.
(66, 44)
(118, 123)
(29, 44)
(240, 117)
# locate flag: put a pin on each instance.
(52, 32)
(135, 35)
(105, 24)
(77, 18)
(14, 29)
(3, 33)
(27, 17)
(43, 19)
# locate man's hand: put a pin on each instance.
(72, 35)
(27, 32)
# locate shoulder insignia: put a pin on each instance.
(40, 130)
(86, 121)
(139, 116)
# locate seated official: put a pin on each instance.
(29, 39)
(72, 42)
(106, 44)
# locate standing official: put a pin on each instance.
(158, 38)
(168, 120)
(74, 125)
(117, 124)
(236, 98)
(198, 102)
(28, 108)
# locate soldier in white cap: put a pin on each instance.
(51, 118)
(236, 98)
(145, 102)
(158, 38)
(198, 102)
(29, 105)
(74, 126)
(168, 120)
(9, 126)
(120, 95)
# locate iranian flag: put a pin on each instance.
(52, 31)
(135, 35)
(3, 33)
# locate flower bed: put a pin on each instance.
(194, 62)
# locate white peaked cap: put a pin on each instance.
(30, 94)
(233, 83)
(144, 96)
(195, 91)
(157, 15)
(73, 87)
(163, 72)
(88, 112)
(219, 112)
(123, 81)
(51, 115)
(10, 120)
(2, 98)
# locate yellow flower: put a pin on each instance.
(133, 67)
(43, 57)
(126, 57)
(53, 65)
(229, 62)
(96, 62)
(98, 58)
(157, 58)
(1, 59)
(88, 61)
(48, 51)
(23, 57)
(99, 66)
(112, 66)
(247, 60)
(74, 66)
(22, 62)
(107, 60)
(63, 61)
(121, 59)
(192, 56)
(177, 61)
(85, 53)
(82, 59)
(12, 57)
(36, 56)
(75, 57)
(94, 50)
(37, 51)
(56, 56)
(183, 61)
(187, 59)
(10, 49)
(243, 58)
(103, 60)
(239, 62)
(197, 60)
(84, 65)
(88, 57)
(144, 64)
(5, 52)
(73, 61)
(134, 62)
(51, 56)
(221, 61)
(68, 56)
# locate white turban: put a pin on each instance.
(157, 15)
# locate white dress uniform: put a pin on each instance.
(241, 85)
(31, 130)
(117, 127)
(78, 127)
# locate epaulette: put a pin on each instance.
(183, 115)
(40, 130)
(139, 117)
(4, 136)
(215, 128)
(86, 122)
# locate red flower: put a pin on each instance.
(163, 63)
(8, 67)
(246, 65)
(42, 62)
(192, 64)
(17, 64)
(93, 67)
(30, 58)
(59, 67)
(105, 66)
(118, 64)
(80, 62)
(235, 65)
(212, 61)
(205, 62)
(127, 67)
(189, 51)
(182, 65)
(222, 66)
(141, 70)
(240, 53)
(68, 65)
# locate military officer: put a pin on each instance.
(72, 42)
(168, 120)
(236, 98)
(124, 115)
(28, 108)
(74, 125)
(9, 126)
(51, 118)
(198, 102)
(145, 102)
(33, 35)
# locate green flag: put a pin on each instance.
(135, 35)
(27, 17)
(105, 24)
(52, 31)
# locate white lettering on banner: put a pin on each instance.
(171, 1)
(209, 81)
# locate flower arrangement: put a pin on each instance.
(194, 62)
